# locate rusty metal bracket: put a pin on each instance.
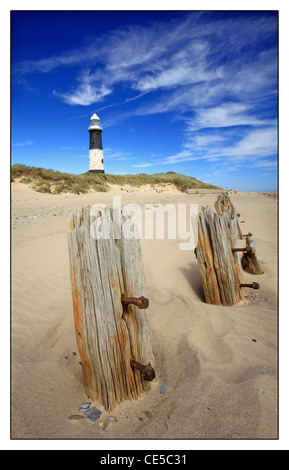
(248, 249)
(254, 285)
(140, 302)
(147, 371)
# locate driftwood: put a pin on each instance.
(112, 336)
(219, 270)
(249, 260)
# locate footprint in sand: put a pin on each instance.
(202, 337)
(161, 296)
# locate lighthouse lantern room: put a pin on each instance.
(95, 146)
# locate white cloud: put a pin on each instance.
(185, 66)
(250, 147)
(142, 165)
(115, 154)
(22, 144)
(264, 164)
(64, 59)
(183, 156)
(168, 78)
(257, 143)
(84, 95)
(225, 115)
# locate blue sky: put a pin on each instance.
(195, 92)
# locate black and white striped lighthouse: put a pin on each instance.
(95, 146)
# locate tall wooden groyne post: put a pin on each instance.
(219, 270)
(218, 254)
(226, 209)
(111, 315)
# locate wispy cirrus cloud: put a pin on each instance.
(225, 115)
(256, 143)
(238, 146)
(264, 165)
(86, 93)
(142, 165)
(68, 58)
(168, 55)
(116, 154)
(24, 143)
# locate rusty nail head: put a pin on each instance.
(147, 371)
(140, 302)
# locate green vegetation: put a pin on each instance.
(55, 182)
(26, 180)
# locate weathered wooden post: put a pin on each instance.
(113, 332)
(219, 272)
(249, 259)
(224, 207)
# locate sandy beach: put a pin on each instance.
(217, 366)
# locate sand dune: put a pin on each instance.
(219, 383)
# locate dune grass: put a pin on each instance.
(55, 182)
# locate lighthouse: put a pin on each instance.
(95, 146)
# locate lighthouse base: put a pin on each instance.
(96, 171)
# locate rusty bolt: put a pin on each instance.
(140, 302)
(249, 234)
(147, 371)
(254, 285)
(247, 249)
